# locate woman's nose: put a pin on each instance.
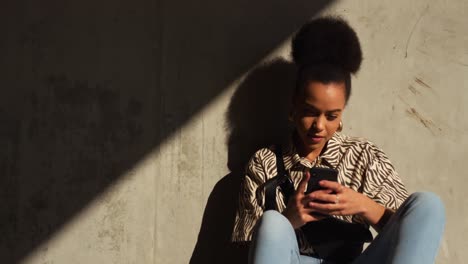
(319, 123)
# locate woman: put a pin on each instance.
(368, 191)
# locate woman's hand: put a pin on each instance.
(341, 200)
(297, 211)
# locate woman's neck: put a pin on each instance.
(311, 155)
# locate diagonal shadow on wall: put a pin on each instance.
(89, 88)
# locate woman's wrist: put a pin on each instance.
(384, 219)
(372, 212)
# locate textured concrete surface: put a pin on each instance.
(124, 125)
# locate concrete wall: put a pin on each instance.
(125, 124)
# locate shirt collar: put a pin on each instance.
(329, 156)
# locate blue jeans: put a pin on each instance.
(412, 235)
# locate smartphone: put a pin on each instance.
(318, 174)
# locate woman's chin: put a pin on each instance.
(311, 145)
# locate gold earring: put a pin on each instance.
(340, 127)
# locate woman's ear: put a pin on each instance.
(340, 127)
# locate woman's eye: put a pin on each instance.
(332, 117)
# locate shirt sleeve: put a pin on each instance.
(250, 207)
(381, 182)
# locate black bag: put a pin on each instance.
(332, 239)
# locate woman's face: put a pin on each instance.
(317, 113)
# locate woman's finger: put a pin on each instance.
(324, 191)
(326, 207)
(313, 196)
(303, 184)
(335, 186)
(325, 197)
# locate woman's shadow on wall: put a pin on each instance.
(257, 117)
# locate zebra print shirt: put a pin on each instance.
(361, 166)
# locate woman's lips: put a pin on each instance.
(315, 138)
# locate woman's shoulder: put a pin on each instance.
(361, 148)
(262, 164)
(264, 154)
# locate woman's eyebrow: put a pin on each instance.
(335, 110)
(310, 106)
(329, 111)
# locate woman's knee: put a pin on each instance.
(427, 203)
(274, 241)
(273, 223)
(274, 219)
